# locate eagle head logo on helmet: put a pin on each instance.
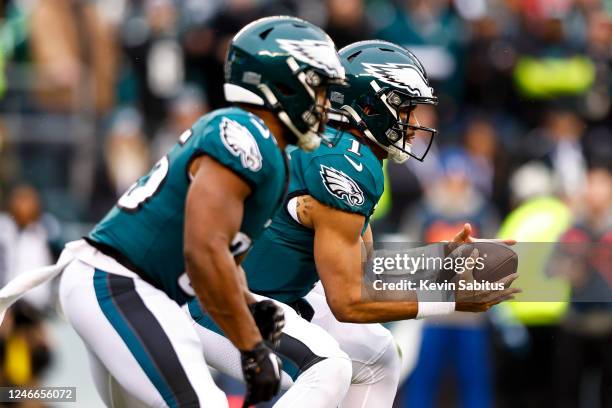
(404, 76)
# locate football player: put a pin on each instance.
(189, 221)
(319, 232)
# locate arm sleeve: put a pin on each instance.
(233, 145)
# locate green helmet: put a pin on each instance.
(278, 63)
(382, 78)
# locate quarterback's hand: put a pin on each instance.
(465, 237)
(261, 369)
(270, 320)
(467, 300)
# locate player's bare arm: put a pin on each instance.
(337, 249)
(213, 214)
(338, 259)
(367, 241)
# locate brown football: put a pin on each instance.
(495, 260)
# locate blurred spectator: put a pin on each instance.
(558, 145)
(584, 257)
(532, 180)
(185, 109)
(481, 145)
(124, 159)
(596, 102)
(126, 150)
(71, 72)
(489, 61)
(150, 40)
(24, 242)
(25, 351)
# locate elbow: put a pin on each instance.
(343, 309)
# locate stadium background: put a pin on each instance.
(92, 92)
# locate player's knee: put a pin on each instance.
(385, 364)
(390, 362)
(335, 371)
(344, 370)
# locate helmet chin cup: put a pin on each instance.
(309, 141)
(397, 155)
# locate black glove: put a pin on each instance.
(270, 320)
(262, 374)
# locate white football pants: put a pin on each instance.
(139, 340)
(314, 354)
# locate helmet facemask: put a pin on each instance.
(386, 84)
(400, 133)
(389, 114)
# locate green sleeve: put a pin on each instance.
(334, 182)
(233, 145)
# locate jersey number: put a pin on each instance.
(147, 186)
(144, 188)
(355, 147)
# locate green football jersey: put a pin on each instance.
(347, 176)
(146, 225)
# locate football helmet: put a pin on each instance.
(284, 64)
(384, 81)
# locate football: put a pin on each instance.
(495, 260)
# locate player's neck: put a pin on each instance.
(277, 128)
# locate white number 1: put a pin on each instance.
(355, 147)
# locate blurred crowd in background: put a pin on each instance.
(92, 92)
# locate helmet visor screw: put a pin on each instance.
(394, 99)
(313, 78)
(392, 135)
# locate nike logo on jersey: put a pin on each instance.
(357, 166)
(342, 186)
